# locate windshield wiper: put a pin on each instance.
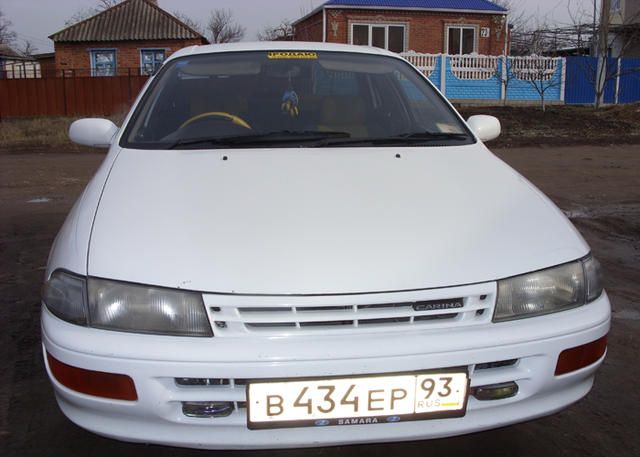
(259, 139)
(405, 138)
(434, 136)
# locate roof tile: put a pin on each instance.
(127, 21)
(468, 5)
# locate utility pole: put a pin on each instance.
(603, 51)
(595, 25)
(604, 26)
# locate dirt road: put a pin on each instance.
(599, 187)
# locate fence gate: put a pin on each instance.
(581, 77)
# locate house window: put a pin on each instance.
(461, 39)
(151, 60)
(386, 36)
(103, 62)
(616, 5)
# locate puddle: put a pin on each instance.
(576, 213)
(627, 315)
(40, 200)
(591, 212)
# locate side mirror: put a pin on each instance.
(96, 133)
(486, 128)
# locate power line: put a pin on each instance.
(39, 43)
(33, 38)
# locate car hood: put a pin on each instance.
(323, 221)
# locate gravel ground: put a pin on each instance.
(598, 187)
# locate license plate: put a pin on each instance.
(357, 400)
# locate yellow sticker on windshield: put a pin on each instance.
(292, 55)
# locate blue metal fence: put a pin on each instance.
(581, 80)
(629, 87)
(580, 75)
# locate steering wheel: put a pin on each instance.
(228, 116)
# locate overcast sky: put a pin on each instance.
(34, 20)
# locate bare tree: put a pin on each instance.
(222, 28)
(534, 40)
(583, 24)
(517, 19)
(603, 53)
(106, 4)
(7, 35)
(28, 49)
(540, 73)
(619, 37)
(516, 16)
(537, 37)
(189, 21)
(281, 32)
(306, 9)
(603, 39)
(504, 73)
(606, 69)
(86, 13)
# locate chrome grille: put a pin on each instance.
(234, 316)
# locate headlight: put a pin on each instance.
(548, 291)
(142, 309)
(113, 305)
(65, 296)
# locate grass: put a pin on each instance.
(39, 133)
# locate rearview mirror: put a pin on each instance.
(96, 133)
(486, 128)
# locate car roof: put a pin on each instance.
(278, 46)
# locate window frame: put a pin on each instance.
(462, 27)
(156, 65)
(92, 59)
(386, 25)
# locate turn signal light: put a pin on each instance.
(495, 391)
(96, 383)
(581, 356)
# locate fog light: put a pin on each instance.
(495, 391)
(581, 356)
(96, 383)
(207, 408)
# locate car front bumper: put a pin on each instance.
(154, 363)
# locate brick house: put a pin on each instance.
(133, 36)
(425, 26)
(47, 63)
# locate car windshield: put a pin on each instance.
(291, 99)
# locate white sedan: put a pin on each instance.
(295, 244)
